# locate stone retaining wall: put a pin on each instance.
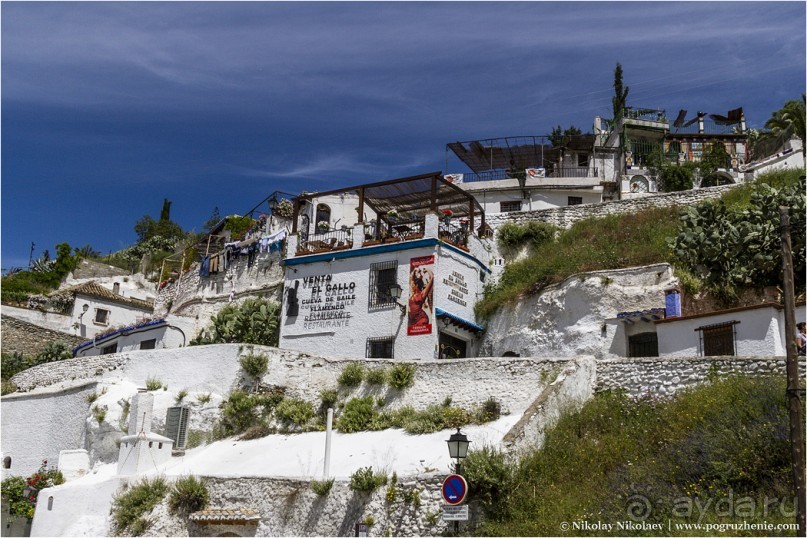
(288, 507)
(564, 217)
(665, 376)
(53, 373)
(30, 339)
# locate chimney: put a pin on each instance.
(672, 303)
(116, 288)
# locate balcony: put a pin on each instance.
(325, 241)
(394, 232)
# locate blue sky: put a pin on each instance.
(107, 108)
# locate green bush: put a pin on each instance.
(238, 412)
(52, 352)
(376, 376)
(255, 365)
(204, 398)
(365, 480)
(152, 383)
(8, 387)
(257, 431)
(13, 363)
(352, 375)
(489, 477)
(402, 375)
(181, 395)
(357, 415)
(490, 410)
(328, 398)
(294, 412)
(534, 233)
(255, 321)
(188, 494)
(130, 507)
(322, 487)
(12, 489)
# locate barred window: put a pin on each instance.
(575, 200)
(112, 348)
(382, 347)
(506, 207)
(719, 339)
(382, 276)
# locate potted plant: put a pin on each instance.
(323, 226)
(392, 215)
(447, 215)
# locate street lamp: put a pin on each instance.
(458, 447)
(394, 292)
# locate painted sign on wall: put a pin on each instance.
(329, 304)
(420, 309)
(459, 288)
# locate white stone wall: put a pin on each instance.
(570, 318)
(48, 320)
(490, 199)
(38, 427)
(664, 377)
(166, 337)
(564, 217)
(760, 332)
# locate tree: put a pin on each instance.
(789, 120)
(620, 98)
(561, 136)
(214, 219)
(255, 321)
(165, 213)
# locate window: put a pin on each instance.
(718, 340)
(643, 345)
(381, 347)
(323, 214)
(101, 316)
(148, 344)
(582, 159)
(575, 200)
(506, 207)
(382, 276)
(112, 348)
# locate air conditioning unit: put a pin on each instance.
(176, 425)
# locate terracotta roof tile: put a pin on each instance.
(93, 289)
(216, 515)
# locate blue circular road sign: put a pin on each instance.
(454, 489)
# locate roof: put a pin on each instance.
(776, 306)
(226, 515)
(518, 152)
(652, 313)
(93, 289)
(413, 196)
(458, 321)
(129, 328)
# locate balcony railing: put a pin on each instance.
(325, 241)
(487, 175)
(572, 171)
(454, 232)
(394, 231)
(645, 114)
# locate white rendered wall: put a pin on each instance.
(166, 337)
(759, 333)
(118, 315)
(48, 320)
(76, 509)
(538, 198)
(346, 337)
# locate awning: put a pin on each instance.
(454, 319)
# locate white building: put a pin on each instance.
(393, 287)
(153, 334)
(96, 309)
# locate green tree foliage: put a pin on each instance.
(131, 508)
(214, 219)
(188, 494)
(789, 120)
(620, 99)
(730, 247)
(255, 321)
(561, 136)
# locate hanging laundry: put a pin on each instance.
(204, 267)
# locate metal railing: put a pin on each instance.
(487, 175)
(645, 114)
(709, 127)
(395, 230)
(454, 232)
(572, 171)
(325, 241)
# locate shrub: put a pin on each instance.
(257, 432)
(180, 396)
(238, 412)
(535, 233)
(52, 352)
(13, 363)
(99, 413)
(130, 507)
(12, 489)
(489, 476)
(322, 487)
(402, 376)
(352, 375)
(328, 398)
(188, 494)
(204, 398)
(91, 397)
(294, 412)
(152, 383)
(357, 415)
(255, 365)
(412, 496)
(491, 410)
(8, 387)
(376, 376)
(255, 321)
(365, 480)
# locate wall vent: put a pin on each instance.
(176, 425)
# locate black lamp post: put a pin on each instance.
(458, 447)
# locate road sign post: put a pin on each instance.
(454, 489)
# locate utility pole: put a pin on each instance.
(794, 390)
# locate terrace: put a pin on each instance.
(406, 209)
(548, 157)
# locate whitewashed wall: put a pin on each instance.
(118, 315)
(48, 320)
(759, 333)
(346, 336)
(166, 337)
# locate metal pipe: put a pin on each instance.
(328, 430)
